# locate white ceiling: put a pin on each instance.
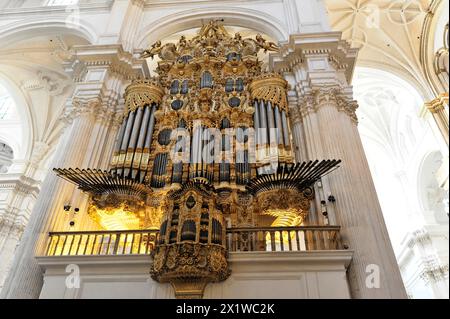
(388, 33)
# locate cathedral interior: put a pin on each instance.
(197, 149)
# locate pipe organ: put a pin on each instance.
(205, 144)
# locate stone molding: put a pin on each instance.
(321, 96)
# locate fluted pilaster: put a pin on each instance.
(326, 125)
(357, 206)
(92, 119)
(25, 279)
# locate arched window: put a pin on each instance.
(6, 105)
(433, 198)
(11, 130)
(6, 157)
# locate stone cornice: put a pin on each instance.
(111, 57)
(101, 73)
(337, 259)
(22, 184)
(187, 3)
(302, 46)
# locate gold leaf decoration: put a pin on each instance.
(270, 87)
(141, 93)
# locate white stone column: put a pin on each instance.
(323, 65)
(25, 279)
(357, 208)
(305, 121)
(13, 219)
(103, 73)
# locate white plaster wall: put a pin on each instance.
(295, 275)
(257, 275)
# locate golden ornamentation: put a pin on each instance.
(438, 104)
(209, 81)
(188, 264)
(266, 45)
(141, 93)
(192, 248)
(119, 212)
(284, 203)
(270, 88)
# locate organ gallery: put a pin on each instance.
(204, 146)
(265, 149)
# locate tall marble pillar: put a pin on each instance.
(25, 279)
(92, 120)
(323, 66)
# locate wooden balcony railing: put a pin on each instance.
(124, 242)
(142, 242)
(302, 238)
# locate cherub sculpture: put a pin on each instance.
(265, 45)
(182, 43)
(165, 52)
(154, 50)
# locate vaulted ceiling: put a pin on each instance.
(390, 34)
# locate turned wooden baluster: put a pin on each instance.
(326, 240)
(281, 240)
(272, 241)
(297, 239)
(311, 240)
(318, 240)
(289, 240)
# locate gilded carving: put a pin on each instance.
(213, 80)
(270, 88)
(141, 93)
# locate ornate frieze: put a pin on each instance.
(321, 96)
(270, 87)
(192, 243)
(96, 108)
(141, 93)
(212, 92)
(434, 272)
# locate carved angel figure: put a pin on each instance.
(249, 47)
(182, 43)
(168, 52)
(265, 45)
(154, 50)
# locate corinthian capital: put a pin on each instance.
(77, 107)
(306, 105)
(335, 95)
